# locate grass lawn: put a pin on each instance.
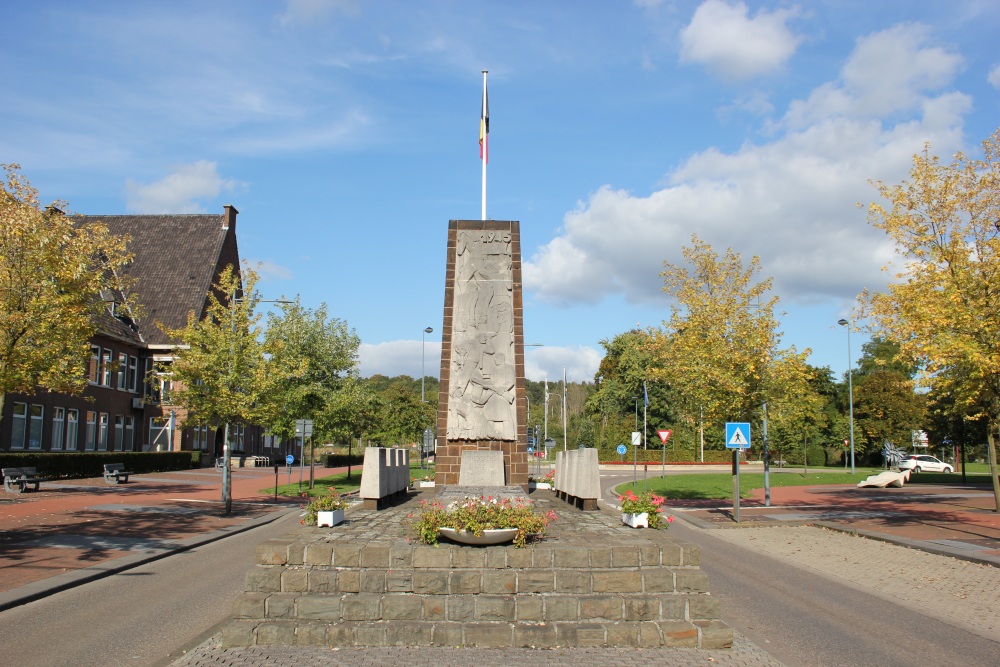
(339, 481)
(720, 485)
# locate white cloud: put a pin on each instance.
(270, 270)
(994, 77)
(580, 363)
(792, 201)
(887, 72)
(400, 357)
(728, 42)
(179, 192)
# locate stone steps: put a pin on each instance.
(590, 583)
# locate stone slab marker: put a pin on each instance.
(481, 405)
(481, 468)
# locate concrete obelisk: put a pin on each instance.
(482, 401)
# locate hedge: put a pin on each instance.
(91, 464)
(341, 460)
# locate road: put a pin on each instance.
(144, 616)
(804, 618)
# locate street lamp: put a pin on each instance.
(423, 373)
(850, 386)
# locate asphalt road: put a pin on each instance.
(141, 617)
(805, 618)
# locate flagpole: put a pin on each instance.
(484, 134)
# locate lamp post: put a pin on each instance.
(423, 373)
(850, 386)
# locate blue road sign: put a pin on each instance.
(622, 449)
(737, 435)
(289, 459)
(531, 450)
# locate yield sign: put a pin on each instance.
(664, 435)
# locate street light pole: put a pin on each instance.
(850, 386)
(423, 373)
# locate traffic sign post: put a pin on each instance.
(664, 436)
(737, 438)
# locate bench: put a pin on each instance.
(16, 480)
(115, 473)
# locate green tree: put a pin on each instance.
(720, 347)
(943, 304)
(53, 274)
(220, 368)
(886, 408)
(314, 355)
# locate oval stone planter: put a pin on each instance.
(492, 536)
(636, 520)
(330, 519)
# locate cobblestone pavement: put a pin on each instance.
(959, 592)
(210, 654)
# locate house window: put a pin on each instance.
(58, 427)
(19, 426)
(129, 433)
(102, 433)
(200, 437)
(91, 433)
(94, 370)
(122, 371)
(159, 434)
(119, 433)
(72, 428)
(133, 374)
(36, 414)
(106, 371)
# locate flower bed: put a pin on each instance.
(646, 503)
(327, 503)
(477, 514)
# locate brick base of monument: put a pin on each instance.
(590, 583)
(448, 460)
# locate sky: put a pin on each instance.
(347, 135)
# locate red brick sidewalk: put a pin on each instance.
(76, 529)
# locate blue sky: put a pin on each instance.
(346, 133)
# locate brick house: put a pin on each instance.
(126, 406)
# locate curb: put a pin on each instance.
(45, 587)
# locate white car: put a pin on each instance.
(923, 462)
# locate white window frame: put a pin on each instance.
(90, 439)
(122, 371)
(72, 429)
(133, 374)
(106, 359)
(130, 433)
(36, 426)
(19, 426)
(94, 370)
(119, 433)
(103, 423)
(58, 428)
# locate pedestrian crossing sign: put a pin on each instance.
(737, 435)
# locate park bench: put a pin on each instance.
(16, 480)
(115, 473)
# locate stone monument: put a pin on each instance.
(481, 405)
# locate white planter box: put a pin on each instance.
(539, 485)
(636, 520)
(330, 519)
(425, 484)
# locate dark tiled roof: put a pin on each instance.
(175, 258)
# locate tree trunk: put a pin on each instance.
(991, 444)
(3, 402)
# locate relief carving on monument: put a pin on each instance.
(481, 401)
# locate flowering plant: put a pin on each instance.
(548, 478)
(328, 503)
(476, 514)
(648, 503)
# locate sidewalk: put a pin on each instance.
(951, 520)
(77, 530)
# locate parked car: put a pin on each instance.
(923, 462)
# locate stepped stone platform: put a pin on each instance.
(591, 582)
